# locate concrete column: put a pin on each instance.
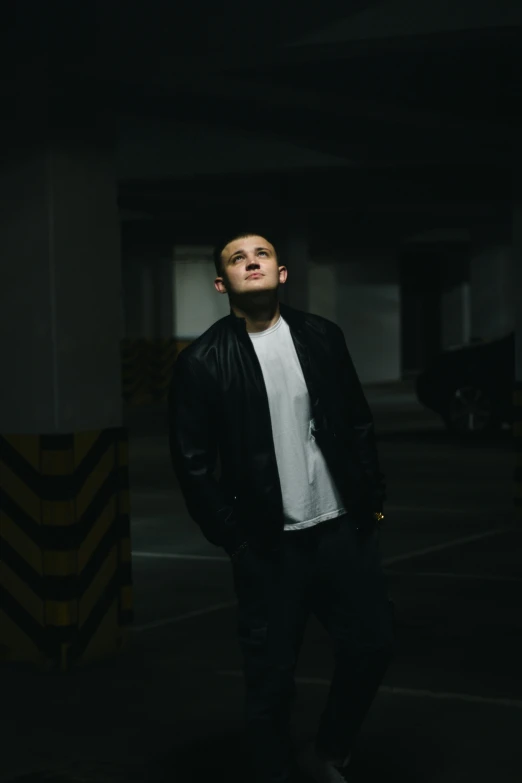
(361, 293)
(148, 296)
(64, 512)
(197, 305)
(517, 286)
(60, 289)
(138, 298)
(517, 295)
(492, 292)
(455, 299)
(163, 296)
(456, 315)
(294, 253)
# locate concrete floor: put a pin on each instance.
(169, 707)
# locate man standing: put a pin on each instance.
(273, 391)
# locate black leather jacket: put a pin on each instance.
(218, 408)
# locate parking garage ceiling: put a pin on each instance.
(404, 92)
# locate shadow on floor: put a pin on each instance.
(375, 759)
(219, 757)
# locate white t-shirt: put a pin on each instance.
(309, 493)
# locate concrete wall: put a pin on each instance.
(362, 295)
(455, 305)
(517, 279)
(60, 286)
(197, 304)
(456, 315)
(492, 292)
(147, 298)
(138, 298)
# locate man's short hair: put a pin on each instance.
(226, 239)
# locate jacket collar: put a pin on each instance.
(294, 318)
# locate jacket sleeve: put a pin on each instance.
(193, 449)
(363, 426)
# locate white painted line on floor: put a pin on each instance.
(386, 561)
(450, 575)
(416, 692)
(158, 495)
(392, 571)
(433, 510)
(447, 545)
(174, 556)
(180, 617)
(216, 607)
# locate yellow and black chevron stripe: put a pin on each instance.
(162, 357)
(135, 359)
(147, 368)
(65, 553)
(517, 432)
(163, 354)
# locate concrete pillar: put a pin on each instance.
(492, 292)
(517, 293)
(65, 565)
(148, 297)
(361, 293)
(455, 301)
(294, 253)
(163, 296)
(60, 291)
(138, 298)
(456, 315)
(197, 305)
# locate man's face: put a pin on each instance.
(250, 268)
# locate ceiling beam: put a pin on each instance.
(446, 186)
(338, 107)
(121, 60)
(362, 133)
(465, 41)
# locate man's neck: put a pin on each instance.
(259, 320)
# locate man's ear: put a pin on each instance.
(219, 285)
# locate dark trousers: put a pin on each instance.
(334, 571)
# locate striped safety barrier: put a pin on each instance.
(147, 369)
(163, 354)
(135, 372)
(65, 552)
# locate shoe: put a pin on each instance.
(322, 771)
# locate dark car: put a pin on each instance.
(471, 386)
